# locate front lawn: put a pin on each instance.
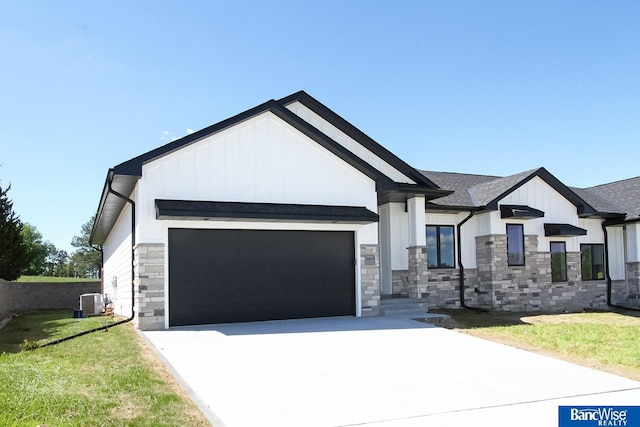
(607, 341)
(99, 379)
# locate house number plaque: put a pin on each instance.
(369, 260)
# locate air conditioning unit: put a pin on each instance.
(91, 304)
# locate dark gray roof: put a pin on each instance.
(625, 194)
(600, 204)
(459, 183)
(485, 191)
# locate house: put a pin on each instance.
(288, 211)
(522, 242)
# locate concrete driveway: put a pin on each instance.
(376, 372)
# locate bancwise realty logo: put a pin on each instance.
(587, 416)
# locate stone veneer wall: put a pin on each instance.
(418, 277)
(529, 287)
(619, 294)
(633, 282)
(23, 296)
(443, 287)
(400, 283)
(150, 297)
(370, 280)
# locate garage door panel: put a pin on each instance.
(243, 275)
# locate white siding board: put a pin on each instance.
(537, 194)
(201, 163)
(632, 237)
(472, 228)
(594, 231)
(399, 227)
(117, 263)
(343, 139)
(616, 253)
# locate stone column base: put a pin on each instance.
(150, 297)
(418, 278)
(370, 280)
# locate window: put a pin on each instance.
(592, 256)
(558, 262)
(440, 246)
(515, 244)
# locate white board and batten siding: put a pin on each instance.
(117, 263)
(346, 141)
(616, 252)
(539, 195)
(261, 160)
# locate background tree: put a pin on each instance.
(85, 260)
(60, 262)
(37, 251)
(13, 253)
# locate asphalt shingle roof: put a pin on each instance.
(599, 203)
(459, 183)
(480, 190)
(473, 190)
(487, 192)
(625, 193)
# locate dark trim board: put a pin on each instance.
(519, 212)
(194, 210)
(222, 276)
(563, 230)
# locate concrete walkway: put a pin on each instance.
(374, 372)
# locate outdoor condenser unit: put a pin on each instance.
(91, 304)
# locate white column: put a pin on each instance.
(417, 221)
(384, 212)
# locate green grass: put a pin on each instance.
(603, 340)
(49, 279)
(42, 326)
(99, 379)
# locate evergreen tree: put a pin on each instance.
(13, 252)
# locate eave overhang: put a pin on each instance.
(563, 230)
(110, 205)
(194, 210)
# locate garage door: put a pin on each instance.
(218, 276)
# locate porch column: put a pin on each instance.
(417, 247)
(384, 224)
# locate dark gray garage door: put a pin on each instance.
(218, 276)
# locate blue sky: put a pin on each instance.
(490, 87)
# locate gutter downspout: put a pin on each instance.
(461, 267)
(606, 268)
(99, 249)
(133, 243)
